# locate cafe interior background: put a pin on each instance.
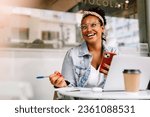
(35, 35)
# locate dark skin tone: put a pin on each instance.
(92, 33)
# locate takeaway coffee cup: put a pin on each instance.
(132, 79)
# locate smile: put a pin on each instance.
(90, 35)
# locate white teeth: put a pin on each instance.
(90, 35)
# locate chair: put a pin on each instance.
(55, 96)
(148, 85)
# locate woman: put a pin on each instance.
(81, 64)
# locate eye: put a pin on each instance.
(83, 27)
(93, 25)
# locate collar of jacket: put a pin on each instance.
(84, 49)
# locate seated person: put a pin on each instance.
(81, 63)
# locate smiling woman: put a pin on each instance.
(81, 63)
(93, 27)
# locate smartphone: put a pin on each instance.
(106, 59)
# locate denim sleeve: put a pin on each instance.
(67, 68)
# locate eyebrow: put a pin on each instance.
(91, 23)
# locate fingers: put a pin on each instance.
(57, 73)
(54, 77)
(57, 79)
(106, 66)
(106, 69)
(60, 82)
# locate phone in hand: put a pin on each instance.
(106, 59)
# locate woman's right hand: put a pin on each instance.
(57, 80)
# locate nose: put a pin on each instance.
(89, 28)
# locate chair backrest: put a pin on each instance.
(148, 85)
(55, 96)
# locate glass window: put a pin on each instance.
(59, 26)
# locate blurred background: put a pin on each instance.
(35, 35)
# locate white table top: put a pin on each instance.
(88, 93)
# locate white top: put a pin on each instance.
(95, 78)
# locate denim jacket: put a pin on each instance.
(77, 64)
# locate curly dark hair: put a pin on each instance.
(99, 11)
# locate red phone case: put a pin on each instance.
(107, 58)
